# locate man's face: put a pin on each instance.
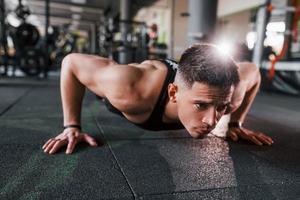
(201, 107)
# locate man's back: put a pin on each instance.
(133, 89)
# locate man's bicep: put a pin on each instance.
(249, 74)
(238, 96)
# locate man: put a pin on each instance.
(155, 95)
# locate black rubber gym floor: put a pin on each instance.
(136, 164)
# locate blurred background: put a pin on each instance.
(36, 34)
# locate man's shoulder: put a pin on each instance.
(153, 65)
(133, 72)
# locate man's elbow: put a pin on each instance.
(67, 61)
(253, 69)
(257, 75)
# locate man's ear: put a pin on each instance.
(172, 92)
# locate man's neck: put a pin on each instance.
(170, 114)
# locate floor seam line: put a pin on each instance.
(15, 102)
(114, 156)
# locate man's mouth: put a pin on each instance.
(207, 131)
(203, 131)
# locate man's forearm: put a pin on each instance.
(241, 112)
(72, 92)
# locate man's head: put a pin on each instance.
(203, 87)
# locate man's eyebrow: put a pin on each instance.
(211, 102)
(202, 101)
(225, 102)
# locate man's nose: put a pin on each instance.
(210, 117)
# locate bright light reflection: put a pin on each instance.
(13, 20)
(225, 47)
(251, 39)
(276, 27)
(275, 36)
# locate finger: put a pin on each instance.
(91, 141)
(45, 145)
(57, 146)
(72, 143)
(266, 137)
(50, 145)
(254, 140)
(250, 135)
(263, 139)
(233, 136)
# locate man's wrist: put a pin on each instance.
(72, 126)
(235, 124)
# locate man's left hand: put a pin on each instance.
(257, 138)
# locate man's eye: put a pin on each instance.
(201, 106)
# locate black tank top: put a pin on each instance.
(154, 122)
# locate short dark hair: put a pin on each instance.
(205, 63)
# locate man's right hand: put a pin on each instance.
(70, 137)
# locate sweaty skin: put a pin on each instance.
(134, 90)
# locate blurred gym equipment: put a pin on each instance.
(280, 72)
(29, 56)
(3, 41)
(124, 47)
(64, 42)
